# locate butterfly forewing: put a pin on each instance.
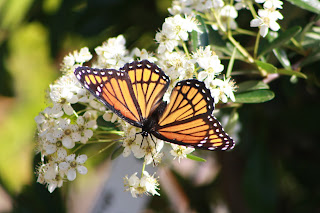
(188, 119)
(114, 89)
(149, 84)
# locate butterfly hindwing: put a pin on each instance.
(114, 89)
(188, 120)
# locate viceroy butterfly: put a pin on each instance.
(135, 94)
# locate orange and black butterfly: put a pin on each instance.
(135, 94)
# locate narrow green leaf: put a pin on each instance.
(282, 57)
(117, 152)
(251, 85)
(256, 96)
(215, 38)
(203, 37)
(231, 63)
(282, 39)
(311, 5)
(196, 158)
(291, 73)
(194, 40)
(269, 68)
(307, 29)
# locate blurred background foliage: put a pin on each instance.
(274, 168)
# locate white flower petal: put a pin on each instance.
(50, 148)
(64, 166)
(70, 158)
(80, 121)
(68, 142)
(255, 22)
(67, 108)
(82, 170)
(264, 30)
(81, 159)
(88, 133)
(71, 174)
(62, 154)
(52, 186)
(274, 26)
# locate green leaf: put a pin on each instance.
(200, 38)
(232, 121)
(311, 5)
(251, 85)
(117, 152)
(196, 158)
(269, 68)
(215, 38)
(291, 73)
(282, 57)
(256, 96)
(194, 40)
(282, 39)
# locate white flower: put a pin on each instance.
(149, 149)
(177, 27)
(65, 92)
(210, 62)
(222, 90)
(68, 62)
(228, 15)
(266, 19)
(74, 58)
(85, 125)
(72, 165)
(129, 143)
(241, 4)
(268, 4)
(48, 174)
(110, 116)
(146, 185)
(150, 182)
(165, 44)
(190, 7)
(67, 133)
(113, 53)
(143, 54)
(180, 152)
(83, 55)
(62, 107)
(177, 66)
(173, 30)
(55, 147)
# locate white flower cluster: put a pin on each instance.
(62, 130)
(222, 14)
(60, 127)
(147, 184)
(268, 16)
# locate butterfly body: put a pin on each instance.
(135, 94)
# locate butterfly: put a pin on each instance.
(135, 93)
